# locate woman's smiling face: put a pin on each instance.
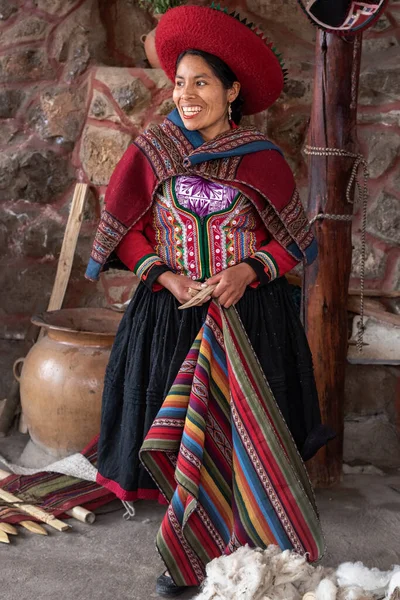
(200, 97)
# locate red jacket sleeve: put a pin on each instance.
(137, 252)
(271, 261)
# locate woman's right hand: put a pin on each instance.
(179, 286)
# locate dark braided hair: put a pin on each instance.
(224, 73)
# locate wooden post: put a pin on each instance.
(333, 125)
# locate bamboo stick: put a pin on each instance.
(4, 538)
(34, 511)
(8, 528)
(33, 527)
(81, 514)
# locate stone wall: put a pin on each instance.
(74, 90)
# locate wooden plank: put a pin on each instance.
(372, 310)
(333, 125)
(375, 293)
(68, 247)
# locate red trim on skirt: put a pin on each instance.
(122, 494)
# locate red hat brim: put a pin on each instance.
(202, 28)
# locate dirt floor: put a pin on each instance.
(116, 560)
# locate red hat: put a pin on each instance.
(239, 44)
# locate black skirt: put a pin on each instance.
(153, 340)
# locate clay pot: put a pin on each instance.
(149, 42)
(62, 377)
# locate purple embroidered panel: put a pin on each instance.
(201, 196)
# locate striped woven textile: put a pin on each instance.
(53, 492)
(222, 454)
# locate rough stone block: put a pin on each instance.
(391, 117)
(43, 238)
(59, 113)
(378, 44)
(79, 38)
(166, 107)
(78, 58)
(379, 87)
(8, 170)
(297, 91)
(118, 286)
(384, 220)
(7, 8)
(382, 343)
(126, 23)
(159, 78)
(14, 219)
(102, 109)
(101, 149)
(10, 350)
(25, 64)
(37, 176)
(25, 286)
(11, 133)
(10, 101)
(30, 29)
(373, 440)
(289, 132)
(129, 92)
(131, 96)
(382, 148)
(285, 13)
(371, 390)
(56, 7)
(375, 260)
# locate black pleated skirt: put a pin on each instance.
(153, 340)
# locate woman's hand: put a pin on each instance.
(232, 283)
(179, 286)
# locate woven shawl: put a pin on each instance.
(242, 158)
(221, 453)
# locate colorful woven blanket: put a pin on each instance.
(222, 454)
(53, 492)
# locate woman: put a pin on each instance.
(194, 202)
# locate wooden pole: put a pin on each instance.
(333, 125)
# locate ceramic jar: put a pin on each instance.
(61, 382)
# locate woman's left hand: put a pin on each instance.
(232, 283)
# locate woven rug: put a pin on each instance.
(54, 492)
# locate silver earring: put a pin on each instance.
(229, 112)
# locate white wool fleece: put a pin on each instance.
(371, 580)
(326, 590)
(254, 574)
(394, 583)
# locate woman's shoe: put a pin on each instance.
(166, 588)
